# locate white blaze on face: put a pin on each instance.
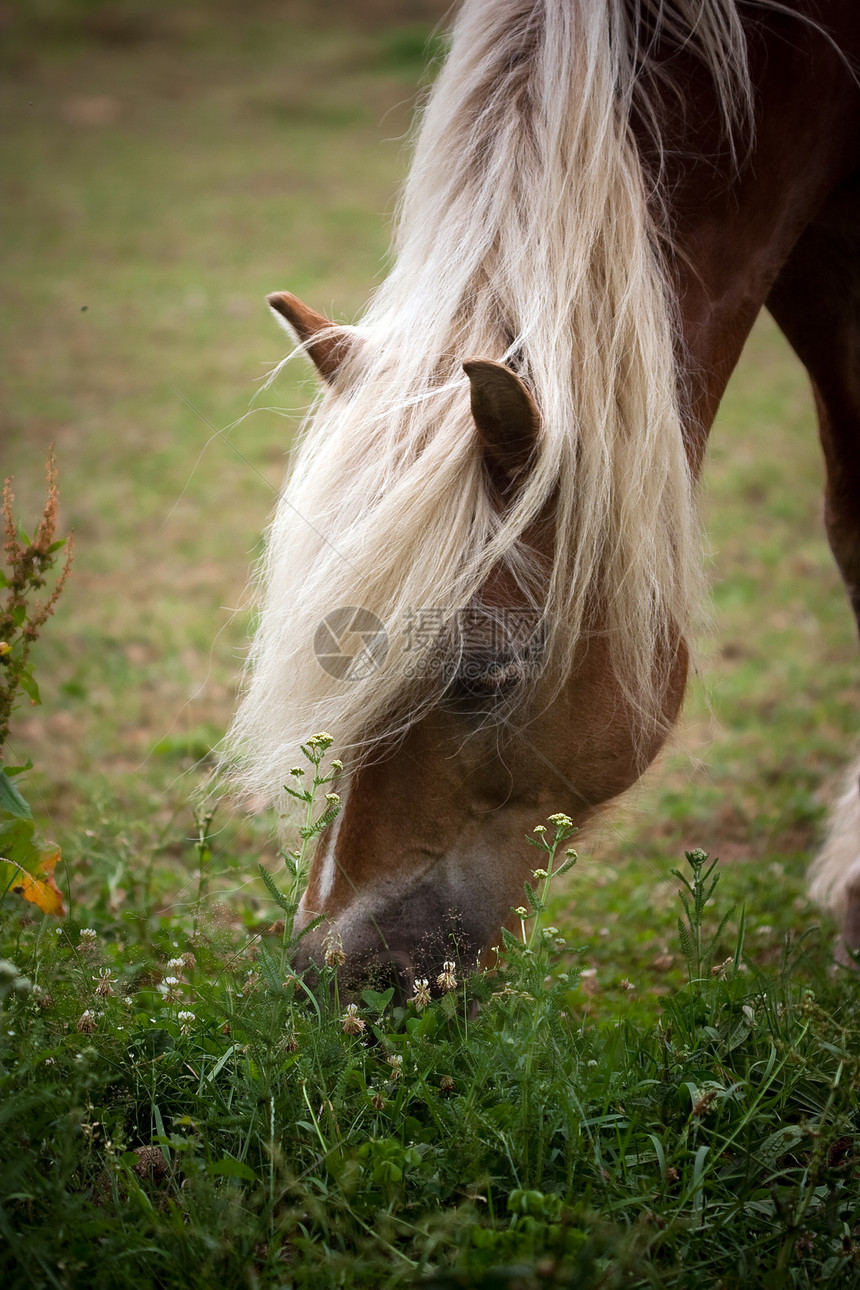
(324, 867)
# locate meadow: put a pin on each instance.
(635, 1121)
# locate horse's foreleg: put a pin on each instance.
(816, 302)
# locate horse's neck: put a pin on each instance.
(733, 232)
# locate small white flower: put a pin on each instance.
(560, 820)
(421, 994)
(539, 828)
(332, 798)
(334, 951)
(446, 979)
(351, 1022)
(186, 1020)
(171, 988)
(539, 873)
(395, 1061)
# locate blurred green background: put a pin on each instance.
(164, 166)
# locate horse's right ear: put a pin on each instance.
(505, 415)
(335, 340)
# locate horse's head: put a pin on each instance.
(429, 854)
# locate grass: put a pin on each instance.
(163, 171)
(183, 1113)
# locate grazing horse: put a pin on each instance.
(481, 575)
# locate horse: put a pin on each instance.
(480, 579)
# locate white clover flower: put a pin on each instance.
(87, 1022)
(175, 965)
(421, 994)
(446, 979)
(351, 1021)
(395, 1061)
(105, 983)
(171, 988)
(334, 951)
(186, 1021)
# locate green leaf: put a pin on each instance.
(230, 1168)
(510, 941)
(274, 976)
(12, 803)
(304, 796)
(29, 686)
(314, 923)
(537, 905)
(280, 899)
(378, 1002)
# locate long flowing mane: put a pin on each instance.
(529, 233)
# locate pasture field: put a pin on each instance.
(165, 167)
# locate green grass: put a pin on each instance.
(163, 170)
(183, 1113)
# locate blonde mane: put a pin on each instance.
(528, 233)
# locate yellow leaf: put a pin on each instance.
(39, 890)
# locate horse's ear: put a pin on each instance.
(335, 341)
(505, 413)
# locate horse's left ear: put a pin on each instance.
(335, 341)
(505, 414)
